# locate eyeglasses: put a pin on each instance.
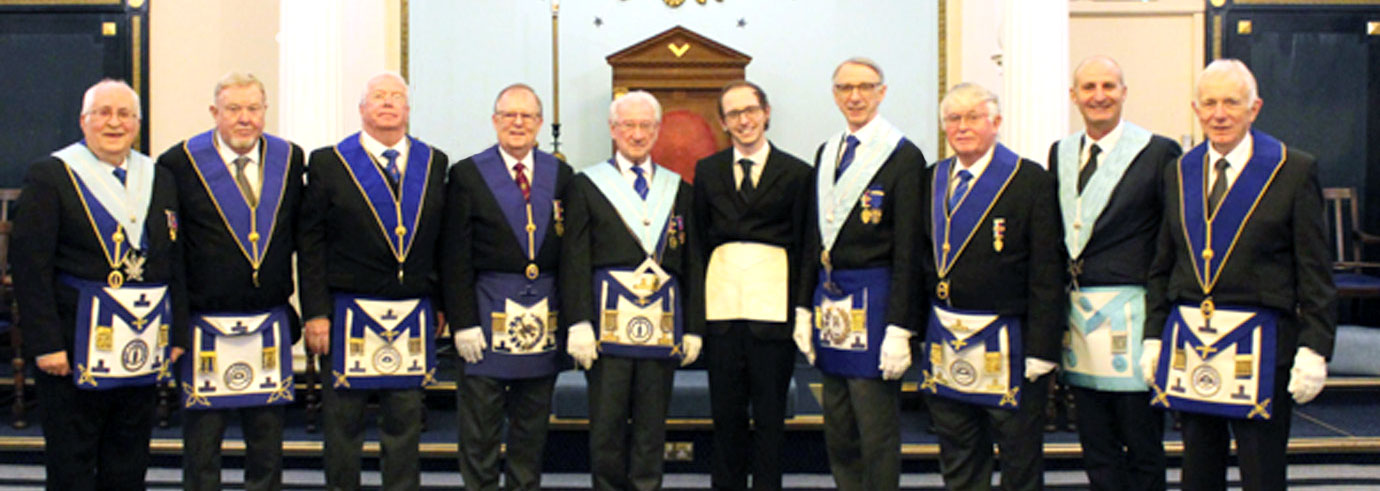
(252, 109)
(750, 111)
(865, 87)
(380, 96)
(510, 116)
(970, 119)
(1228, 104)
(637, 125)
(104, 113)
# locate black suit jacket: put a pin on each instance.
(595, 238)
(219, 276)
(773, 214)
(892, 243)
(478, 238)
(1123, 238)
(1280, 262)
(341, 248)
(1025, 278)
(52, 236)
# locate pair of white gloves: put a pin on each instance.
(1306, 379)
(579, 343)
(895, 356)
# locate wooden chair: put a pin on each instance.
(9, 308)
(1353, 275)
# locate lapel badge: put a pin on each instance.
(998, 233)
(872, 201)
(558, 216)
(172, 224)
(675, 232)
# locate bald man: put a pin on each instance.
(1110, 199)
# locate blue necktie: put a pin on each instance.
(392, 156)
(120, 174)
(963, 177)
(848, 151)
(640, 184)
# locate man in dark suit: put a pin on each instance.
(628, 269)
(98, 275)
(858, 279)
(993, 265)
(239, 190)
(751, 223)
(1110, 198)
(503, 242)
(367, 236)
(1242, 263)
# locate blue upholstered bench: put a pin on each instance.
(689, 399)
(1355, 352)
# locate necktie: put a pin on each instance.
(852, 142)
(1086, 174)
(392, 156)
(640, 184)
(961, 189)
(243, 182)
(120, 174)
(1219, 186)
(745, 188)
(521, 178)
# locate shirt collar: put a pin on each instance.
(512, 161)
(978, 167)
(758, 158)
(1237, 157)
(376, 148)
(228, 155)
(1108, 141)
(869, 130)
(625, 166)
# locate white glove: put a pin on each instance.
(692, 344)
(581, 346)
(895, 352)
(804, 329)
(469, 342)
(1036, 368)
(1309, 374)
(1149, 359)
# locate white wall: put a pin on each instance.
(462, 53)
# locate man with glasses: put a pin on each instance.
(992, 268)
(239, 190)
(98, 275)
(853, 305)
(628, 274)
(504, 223)
(367, 237)
(751, 222)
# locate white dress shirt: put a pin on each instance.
(251, 169)
(376, 149)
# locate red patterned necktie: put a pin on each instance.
(521, 178)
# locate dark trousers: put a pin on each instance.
(1122, 438)
(203, 431)
(966, 434)
(400, 432)
(747, 371)
(628, 400)
(95, 439)
(484, 404)
(1260, 445)
(862, 432)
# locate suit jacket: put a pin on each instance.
(478, 238)
(341, 247)
(1123, 237)
(888, 244)
(53, 236)
(1024, 278)
(219, 276)
(596, 238)
(773, 214)
(1280, 261)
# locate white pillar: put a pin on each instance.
(1035, 66)
(327, 50)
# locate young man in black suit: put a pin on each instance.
(504, 223)
(239, 190)
(857, 277)
(367, 245)
(1242, 263)
(992, 264)
(1110, 199)
(751, 224)
(98, 275)
(628, 268)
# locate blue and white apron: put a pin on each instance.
(973, 357)
(382, 343)
(238, 359)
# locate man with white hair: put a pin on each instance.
(626, 279)
(239, 190)
(367, 241)
(1241, 296)
(992, 268)
(98, 275)
(858, 280)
